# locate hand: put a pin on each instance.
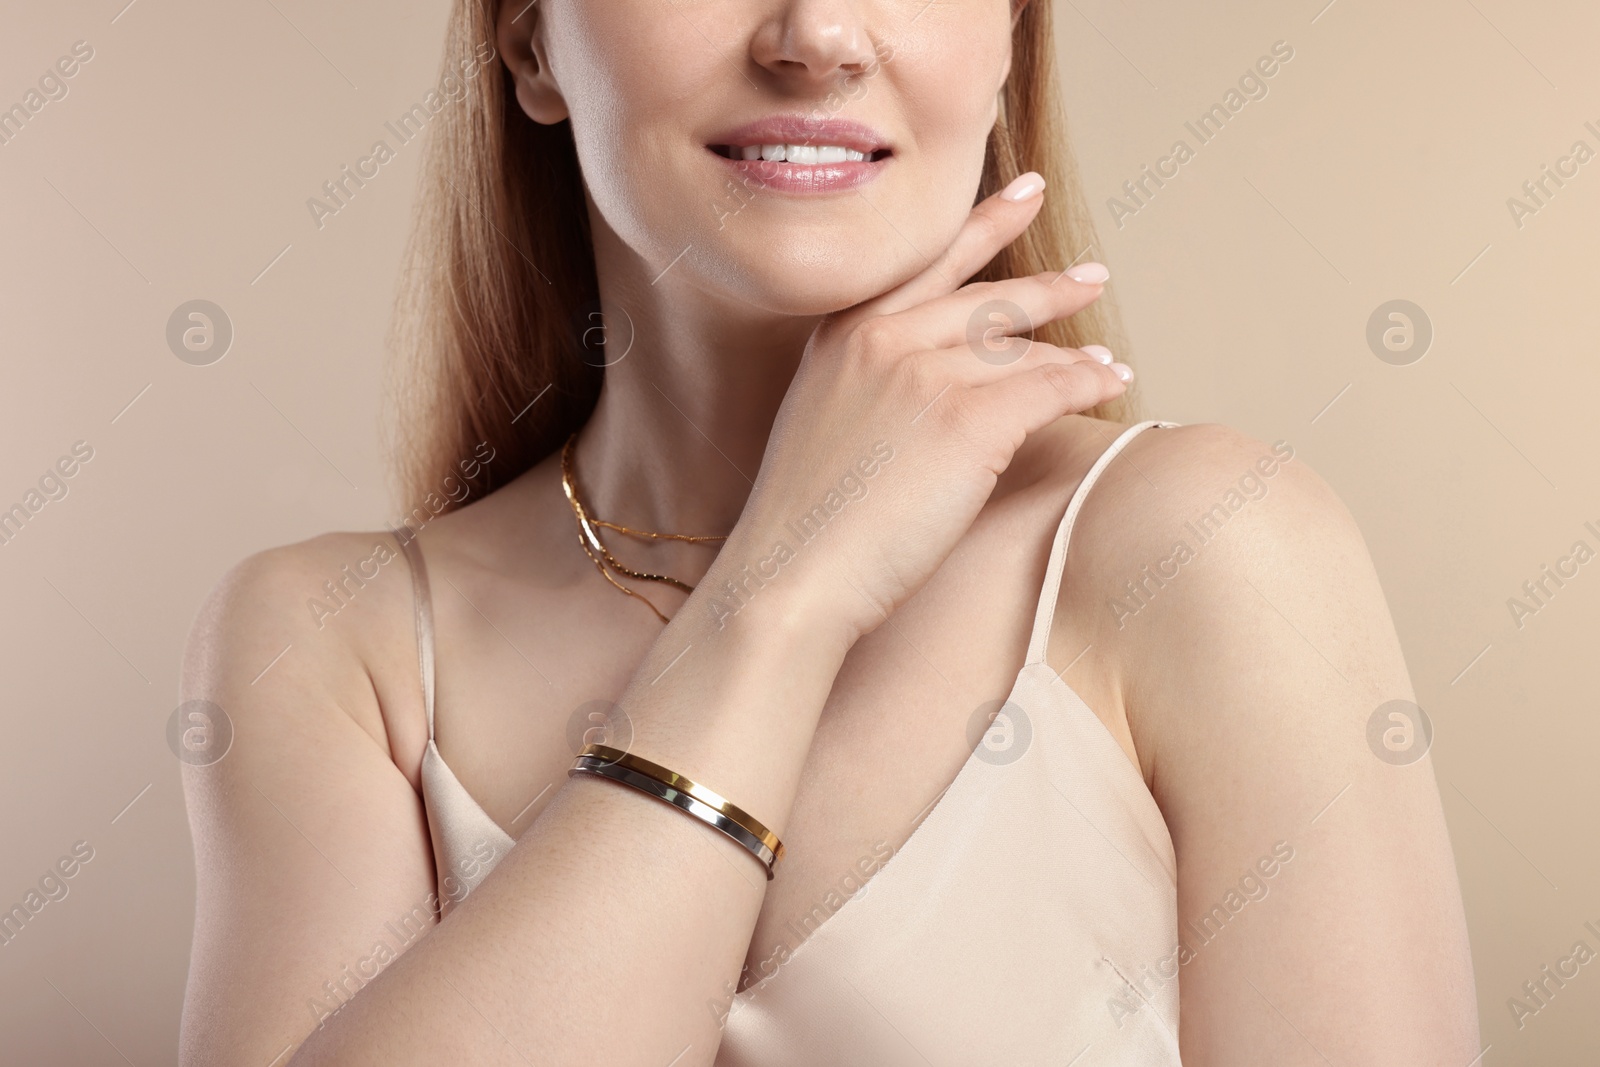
(903, 413)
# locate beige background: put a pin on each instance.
(1378, 167)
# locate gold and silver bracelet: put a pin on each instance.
(704, 804)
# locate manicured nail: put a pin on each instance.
(1124, 371)
(1023, 186)
(1100, 352)
(1089, 273)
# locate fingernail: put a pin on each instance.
(1124, 371)
(1023, 186)
(1089, 273)
(1100, 352)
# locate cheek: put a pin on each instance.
(948, 119)
(949, 81)
(633, 73)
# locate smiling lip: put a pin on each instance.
(803, 177)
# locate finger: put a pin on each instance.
(989, 316)
(1023, 355)
(994, 222)
(1040, 395)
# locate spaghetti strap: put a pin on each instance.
(422, 600)
(1046, 611)
(466, 841)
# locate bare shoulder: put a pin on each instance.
(307, 822)
(293, 631)
(1240, 635)
(1180, 495)
(1200, 546)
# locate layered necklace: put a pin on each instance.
(604, 561)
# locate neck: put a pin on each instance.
(682, 420)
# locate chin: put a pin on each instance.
(815, 278)
(832, 257)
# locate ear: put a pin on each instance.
(1017, 7)
(519, 31)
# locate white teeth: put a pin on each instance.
(798, 153)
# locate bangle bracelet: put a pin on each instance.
(709, 807)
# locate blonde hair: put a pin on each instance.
(500, 266)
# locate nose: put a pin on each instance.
(818, 41)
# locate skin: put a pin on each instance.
(1241, 692)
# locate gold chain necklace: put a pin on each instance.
(589, 538)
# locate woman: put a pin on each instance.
(975, 799)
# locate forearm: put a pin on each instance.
(617, 923)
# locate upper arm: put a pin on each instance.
(1251, 662)
(311, 850)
